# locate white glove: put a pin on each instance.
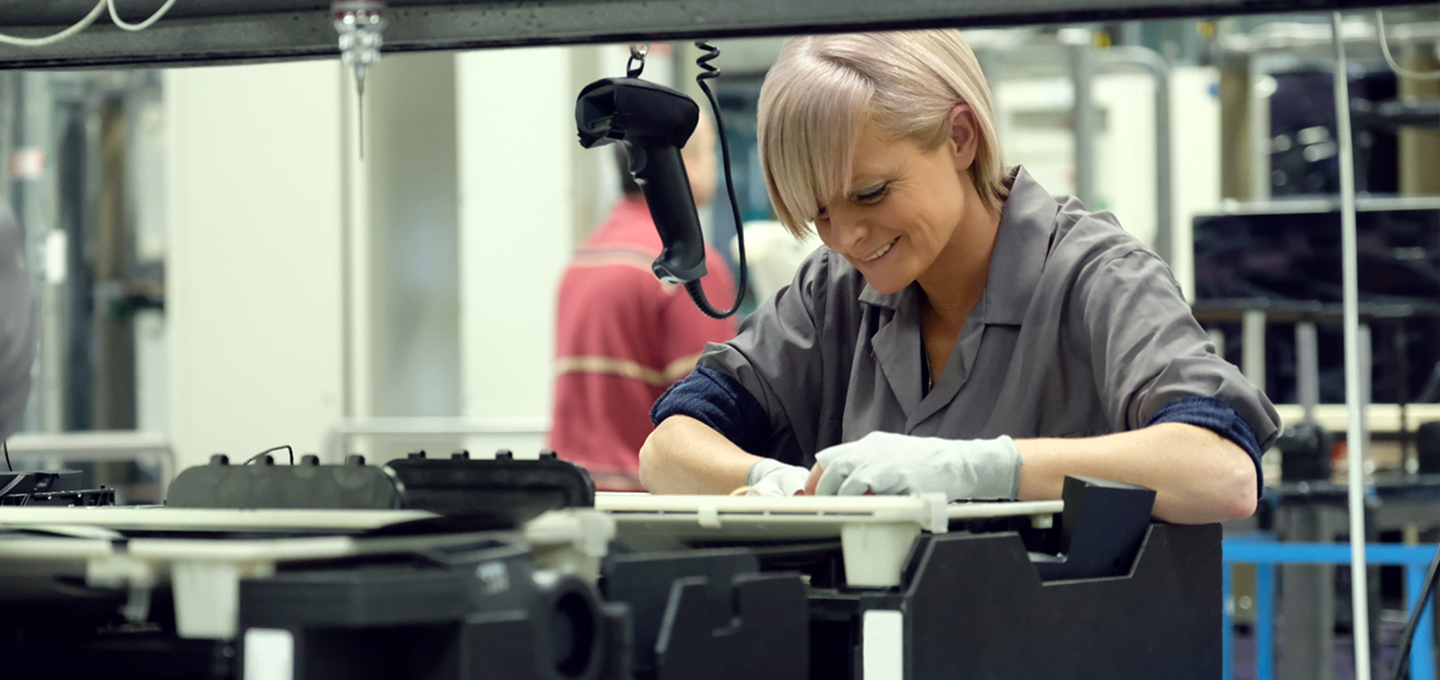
(888, 463)
(770, 477)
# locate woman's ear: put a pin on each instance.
(964, 136)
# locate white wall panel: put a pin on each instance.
(516, 132)
(1195, 131)
(253, 187)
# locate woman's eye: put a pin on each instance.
(821, 214)
(872, 194)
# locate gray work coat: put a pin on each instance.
(1081, 331)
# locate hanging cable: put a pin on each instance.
(270, 450)
(51, 39)
(1394, 65)
(1402, 652)
(708, 71)
(84, 23)
(115, 17)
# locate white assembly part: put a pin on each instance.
(1042, 513)
(882, 640)
(573, 540)
(875, 532)
(117, 571)
(204, 573)
(875, 553)
(771, 518)
(207, 599)
(269, 654)
(159, 517)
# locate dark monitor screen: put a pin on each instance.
(1291, 252)
(1297, 255)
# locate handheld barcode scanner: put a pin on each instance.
(653, 122)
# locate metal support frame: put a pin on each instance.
(338, 436)
(1156, 65)
(1266, 554)
(1307, 368)
(1357, 381)
(55, 450)
(1083, 120)
(1252, 346)
(1087, 62)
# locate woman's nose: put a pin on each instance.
(848, 230)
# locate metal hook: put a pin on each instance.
(636, 65)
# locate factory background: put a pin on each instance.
(222, 267)
(231, 258)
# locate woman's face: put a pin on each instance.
(904, 207)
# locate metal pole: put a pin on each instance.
(1159, 69)
(1354, 399)
(1307, 368)
(1081, 71)
(1259, 105)
(34, 198)
(1252, 346)
(1164, 182)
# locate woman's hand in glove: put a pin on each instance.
(894, 464)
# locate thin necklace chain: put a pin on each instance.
(929, 374)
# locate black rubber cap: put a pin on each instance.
(1427, 447)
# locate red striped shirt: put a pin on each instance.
(622, 337)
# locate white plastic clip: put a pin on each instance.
(708, 514)
(937, 511)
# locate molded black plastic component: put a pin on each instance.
(1305, 450)
(60, 488)
(975, 608)
(486, 613)
(111, 654)
(1101, 529)
(505, 489)
(308, 485)
(1427, 447)
(711, 614)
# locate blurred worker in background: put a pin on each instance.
(622, 336)
(17, 323)
(963, 331)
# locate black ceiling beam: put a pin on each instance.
(226, 31)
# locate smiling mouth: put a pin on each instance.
(881, 252)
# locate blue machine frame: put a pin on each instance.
(1264, 552)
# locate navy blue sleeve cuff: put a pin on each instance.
(1217, 416)
(720, 402)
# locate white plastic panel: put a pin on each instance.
(882, 636)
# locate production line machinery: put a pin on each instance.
(505, 568)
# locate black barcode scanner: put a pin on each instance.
(653, 122)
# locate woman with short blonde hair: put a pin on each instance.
(963, 331)
(823, 89)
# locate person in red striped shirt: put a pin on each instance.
(622, 336)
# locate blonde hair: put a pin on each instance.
(824, 89)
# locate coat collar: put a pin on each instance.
(1027, 224)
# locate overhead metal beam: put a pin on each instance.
(217, 31)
